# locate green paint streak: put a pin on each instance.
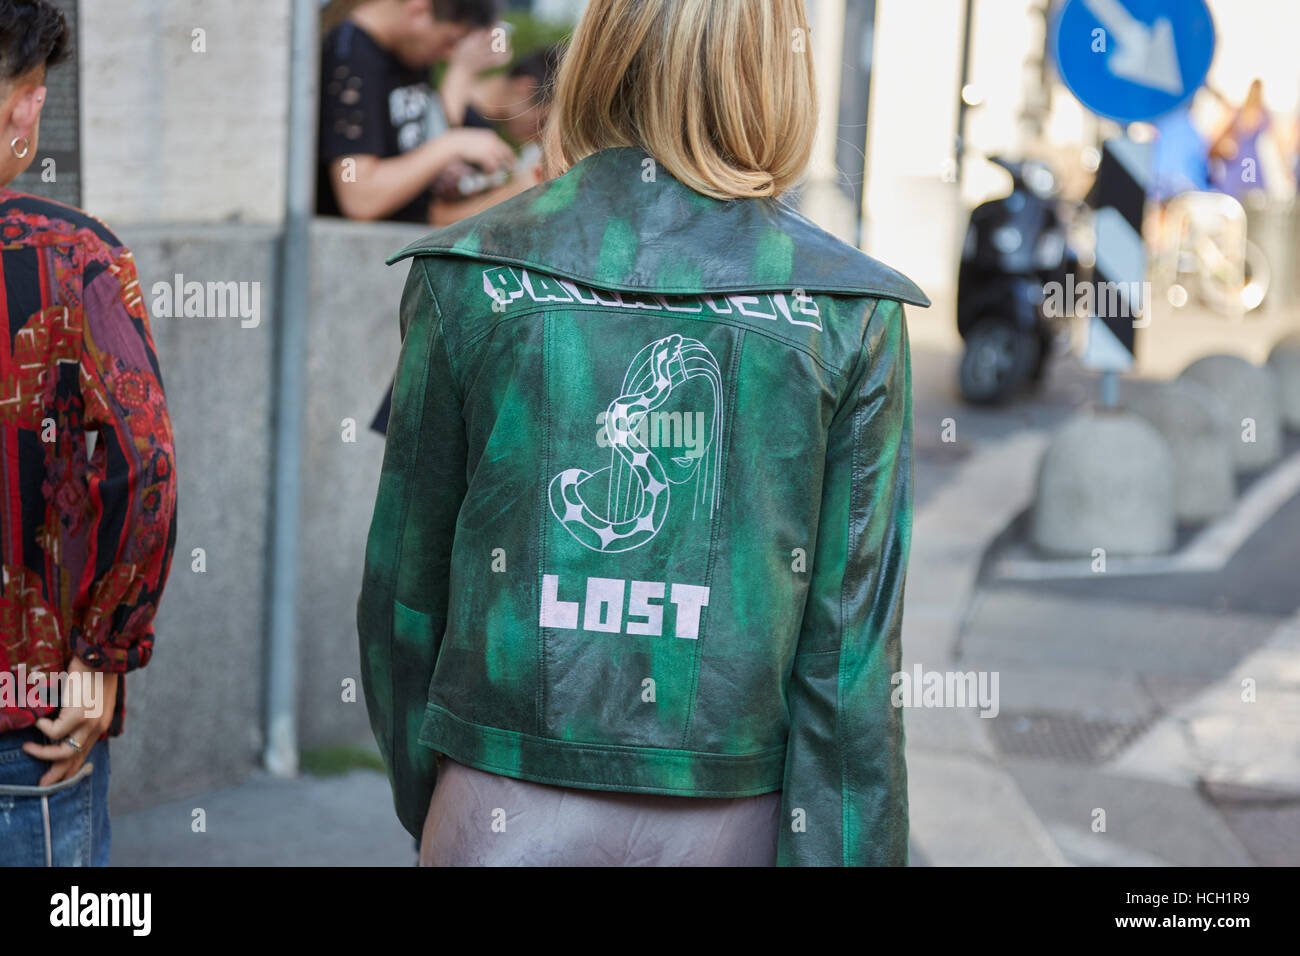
(559, 196)
(499, 661)
(681, 273)
(617, 249)
(773, 258)
(470, 242)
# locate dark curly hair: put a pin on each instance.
(32, 33)
(477, 13)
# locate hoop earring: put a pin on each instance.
(13, 147)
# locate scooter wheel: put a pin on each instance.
(999, 359)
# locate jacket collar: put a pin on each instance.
(602, 225)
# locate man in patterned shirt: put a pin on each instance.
(87, 485)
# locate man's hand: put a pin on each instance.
(375, 188)
(474, 53)
(479, 147)
(472, 56)
(444, 213)
(76, 724)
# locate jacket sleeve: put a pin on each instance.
(845, 790)
(402, 609)
(130, 493)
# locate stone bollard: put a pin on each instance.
(1284, 360)
(1250, 395)
(1105, 482)
(1196, 427)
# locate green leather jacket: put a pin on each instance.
(645, 507)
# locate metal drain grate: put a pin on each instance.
(1050, 736)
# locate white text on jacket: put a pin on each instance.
(610, 600)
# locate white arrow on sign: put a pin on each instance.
(1145, 55)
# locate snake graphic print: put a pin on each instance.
(623, 505)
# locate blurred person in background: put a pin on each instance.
(515, 104)
(87, 539)
(375, 157)
(516, 99)
(1236, 153)
(1180, 162)
(480, 51)
(519, 101)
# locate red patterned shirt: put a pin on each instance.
(87, 529)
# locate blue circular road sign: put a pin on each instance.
(1131, 60)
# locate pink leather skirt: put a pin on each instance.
(484, 819)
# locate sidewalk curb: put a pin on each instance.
(1210, 550)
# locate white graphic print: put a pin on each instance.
(505, 286)
(636, 484)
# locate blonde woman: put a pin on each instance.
(634, 581)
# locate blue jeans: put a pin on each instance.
(64, 824)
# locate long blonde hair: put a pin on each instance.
(720, 92)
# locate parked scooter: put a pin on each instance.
(1014, 246)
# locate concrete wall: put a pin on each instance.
(193, 714)
(352, 347)
(170, 134)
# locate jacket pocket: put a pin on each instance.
(412, 629)
(414, 653)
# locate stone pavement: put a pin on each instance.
(1123, 702)
(1118, 695)
(342, 820)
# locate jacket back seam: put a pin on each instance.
(723, 474)
(596, 747)
(720, 320)
(542, 667)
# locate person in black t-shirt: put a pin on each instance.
(521, 100)
(374, 159)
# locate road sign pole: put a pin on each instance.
(1109, 390)
(1128, 61)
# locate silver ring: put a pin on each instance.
(72, 743)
